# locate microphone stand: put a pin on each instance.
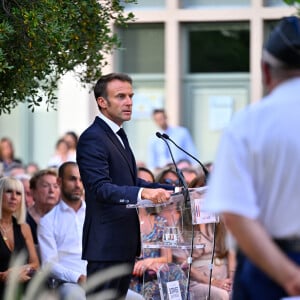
(212, 261)
(186, 196)
(206, 173)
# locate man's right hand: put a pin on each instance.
(156, 195)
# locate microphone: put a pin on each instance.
(178, 172)
(186, 194)
(206, 173)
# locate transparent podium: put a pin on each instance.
(169, 227)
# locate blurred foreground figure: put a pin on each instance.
(255, 184)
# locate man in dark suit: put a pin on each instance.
(111, 233)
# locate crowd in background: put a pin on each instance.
(42, 193)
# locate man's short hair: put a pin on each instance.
(39, 174)
(100, 89)
(158, 111)
(61, 169)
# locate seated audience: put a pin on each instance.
(198, 181)
(15, 233)
(61, 154)
(71, 139)
(189, 174)
(14, 169)
(45, 193)
(31, 168)
(184, 163)
(168, 176)
(209, 166)
(223, 260)
(144, 280)
(223, 263)
(7, 154)
(25, 179)
(60, 235)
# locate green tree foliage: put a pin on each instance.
(291, 2)
(295, 3)
(41, 40)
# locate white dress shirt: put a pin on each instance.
(60, 241)
(115, 128)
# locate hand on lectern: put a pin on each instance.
(156, 195)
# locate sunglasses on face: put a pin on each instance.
(170, 181)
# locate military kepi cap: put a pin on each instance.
(284, 41)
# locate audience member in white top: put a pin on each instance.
(60, 234)
(71, 138)
(61, 154)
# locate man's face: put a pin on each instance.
(47, 191)
(118, 105)
(160, 120)
(71, 184)
(70, 141)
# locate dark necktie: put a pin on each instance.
(123, 136)
(128, 151)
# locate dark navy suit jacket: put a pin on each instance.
(111, 231)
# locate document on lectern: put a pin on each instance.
(172, 220)
(200, 216)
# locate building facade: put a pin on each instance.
(199, 59)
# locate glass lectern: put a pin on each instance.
(171, 226)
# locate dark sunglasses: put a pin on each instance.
(170, 181)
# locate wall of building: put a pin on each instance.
(194, 100)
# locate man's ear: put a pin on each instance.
(102, 102)
(266, 74)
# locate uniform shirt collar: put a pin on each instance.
(65, 206)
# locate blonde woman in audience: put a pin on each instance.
(15, 235)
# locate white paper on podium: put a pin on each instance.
(173, 290)
(199, 216)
